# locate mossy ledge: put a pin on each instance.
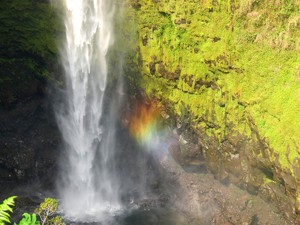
(234, 68)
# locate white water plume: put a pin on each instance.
(88, 182)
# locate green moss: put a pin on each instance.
(267, 181)
(29, 27)
(28, 46)
(239, 63)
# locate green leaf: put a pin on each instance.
(4, 207)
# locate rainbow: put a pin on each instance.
(143, 123)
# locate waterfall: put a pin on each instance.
(89, 183)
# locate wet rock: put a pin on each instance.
(29, 141)
(209, 202)
(135, 4)
(145, 40)
(208, 84)
(189, 147)
(230, 163)
(162, 70)
(180, 21)
(176, 73)
(274, 192)
(152, 67)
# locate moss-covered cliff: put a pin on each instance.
(28, 47)
(233, 68)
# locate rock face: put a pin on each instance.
(29, 143)
(29, 138)
(230, 71)
(209, 202)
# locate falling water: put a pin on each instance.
(88, 182)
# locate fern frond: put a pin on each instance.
(4, 215)
(28, 220)
(6, 207)
(10, 201)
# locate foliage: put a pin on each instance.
(56, 220)
(28, 47)
(6, 209)
(46, 212)
(28, 220)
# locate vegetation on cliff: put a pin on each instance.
(46, 212)
(233, 67)
(28, 47)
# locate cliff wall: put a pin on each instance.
(230, 70)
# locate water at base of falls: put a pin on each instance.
(144, 217)
(89, 184)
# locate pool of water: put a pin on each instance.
(159, 216)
